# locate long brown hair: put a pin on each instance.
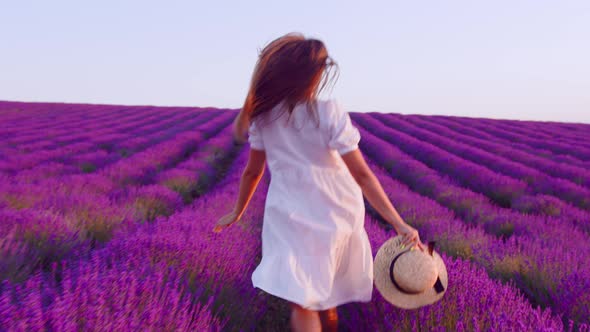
(289, 69)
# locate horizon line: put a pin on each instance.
(238, 108)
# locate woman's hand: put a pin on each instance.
(226, 221)
(410, 236)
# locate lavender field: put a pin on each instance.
(106, 217)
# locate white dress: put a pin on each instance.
(315, 250)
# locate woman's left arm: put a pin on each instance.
(249, 181)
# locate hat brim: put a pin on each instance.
(382, 280)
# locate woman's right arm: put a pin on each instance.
(376, 196)
(240, 127)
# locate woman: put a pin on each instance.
(315, 250)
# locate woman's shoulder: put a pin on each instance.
(328, 102)
(330, 107)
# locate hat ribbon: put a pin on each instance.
(438, 286)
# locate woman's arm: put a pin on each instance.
(376, 196)
(240, 127)
(248, 183)
(250, 179)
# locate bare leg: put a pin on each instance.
(304, 320)
(329, 318)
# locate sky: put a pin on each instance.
(526, 60)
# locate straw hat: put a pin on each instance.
(408, 277)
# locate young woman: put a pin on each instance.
(315, 250)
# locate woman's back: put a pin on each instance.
(315, 251)
(303, 143)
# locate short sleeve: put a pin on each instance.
(344, 136)
(255, 137)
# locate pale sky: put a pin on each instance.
(501, 59)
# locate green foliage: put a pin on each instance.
(86, 167)
(148, 209)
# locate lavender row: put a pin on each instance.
(91, 161)
(560, 137)
(473, 207)
(143, 166)
(164, 152)
(27, 131)
(534, 129)
(540, 130)
(184, 243)
(539, 152)
(142, 169)
(77, 146)
(500, 188)
(46, 114)
(536, 182)
(547, 132)
(545, 204)
(209, 161)
(90, 214)
(99, 135)
(173, 242)
(167, 242)
(574, 128)
(527, 256)
(524, 262)
(472, 302)
(105, 139)
(224, 261)
(84, 116)
(578, 175)
(126, 127)
(572, 150)
(143, 138)
(102, 295)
